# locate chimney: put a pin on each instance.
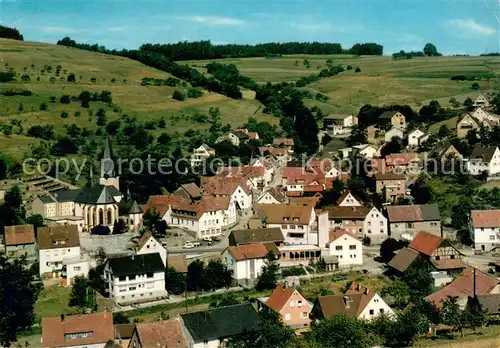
(347, 302)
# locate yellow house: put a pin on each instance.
(391, 119)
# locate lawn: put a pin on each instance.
(52, 302)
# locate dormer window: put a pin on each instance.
(296, 219)
(286, 219)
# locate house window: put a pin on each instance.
(150, 274)
(338, 247)
(452, 257)
(284, 227)
(122, 278)
(492, 237)
(287, 316)
(410, 225)
(437, 258)
(132, 277)
(299, 303)
(381, 311)
(132, 288)
(372, 312)
(205, 342)
(304, 315)
(352, 247)
(77, 268)
(292, 304)
(375, 300)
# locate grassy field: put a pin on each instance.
(381, 81)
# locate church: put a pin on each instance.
(97, 206)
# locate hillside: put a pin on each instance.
(120, 76)
(380, 81)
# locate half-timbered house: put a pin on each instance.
(439, 252)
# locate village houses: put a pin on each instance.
(484, 226)
(406, 220)
(357, 302)
(417, 137)
(484, 159)
(339, 124)
(232, 187)
(393, 132)
(238, 136)
(391, 186)
(200, 154)
(133, 278)
(293, 308)
(83, 330)
(359, 221)
(163, 333)
(392, 119)
(347, 249)
(20, 240)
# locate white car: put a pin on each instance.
(188, 245)
(207, 239)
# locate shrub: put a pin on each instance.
(11, 92)
(52, 79)
(64, 114)
(178, 95)
(113, 80)
(357, 69)
(77, 114)
(7, 76)
(25, 77)
(93, 79)
(43, 107)
(65, 99)
(71, 78)
(52, 99)
(349, 67)
(475, 85)
(194, 93)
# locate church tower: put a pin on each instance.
(108, 170)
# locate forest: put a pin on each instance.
(10, 33)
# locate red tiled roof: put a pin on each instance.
(486, 218)
(251, 135)
(336, 234)
(283, 141)
(194, 210)
(248, 251)
(398, 159)
(19, 234)
(242, 172)
(335, 212)
(449, 264)
(463, 286)
(223, 186)
(425, 243)
(161, 203)
(279, 298)
(100, 324)
(167, 333)
(285, 213)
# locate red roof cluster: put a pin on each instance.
(426, 243)
(248, 251)
(486, 218)
(401, 159)
(223, 186)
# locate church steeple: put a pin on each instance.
(107, 162)
(91, 181)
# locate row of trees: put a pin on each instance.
(206, 50)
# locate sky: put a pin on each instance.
(455, 27)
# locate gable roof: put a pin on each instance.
(345, 195)
(191, 189)
(223, 186)
(388, 114)
(161, 203)
(485, 154)
(336, 212)
(277, 193)
(248, 251)
(350, 304)
(221, 322)
(165, 333)
(413, 213)
(485, 218)
(65, 195)
(279, 297)
(97, 194)
(194, 210)
(426, 243)
(257, 235)
(136, 264)
(337, 233)
(284, 213)
(403, 259)
(19, 234)
(144, 239)
(100, 324)
(463, 286)
(490, 303)
(62, 236)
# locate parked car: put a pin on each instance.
(207, 239)
(195, 244)
(188, 245)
